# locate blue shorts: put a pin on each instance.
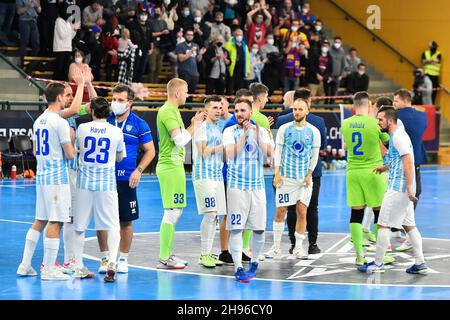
(128, 204)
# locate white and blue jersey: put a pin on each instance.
(136, 132)
(98, 142)
(399, 146)
(207, 167)
(50, 133)
(73, 164)
(297, 145)
(245, 171)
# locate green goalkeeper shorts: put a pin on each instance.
(172, 184)
(365, 188)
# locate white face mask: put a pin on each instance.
(143, 17)
(239, 38)
(186, 13)
(232, 2)
(361, 72)
(319, 27)
(78, 60)
(198, 19)
(250, 2)
(324, 49)
(270, 41)
(119, 108)
(254, 51)
(294, 28)
(167, 2)
(116, 32)
(305, 10)
(337, 45)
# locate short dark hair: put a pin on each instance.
(241, 100)
(383, 101)
(302, 93)
(337, 38)
(359, 97)
(361, 64)
(52, 91)
(352, 49)
(74, 53)
(403, 94)
(389, 113)
(213, 98)
(257, 88)
(385, 107)
(100, 107)
(243, 93)
(124, 88)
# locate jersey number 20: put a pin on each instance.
(91, 144)
(357, 137)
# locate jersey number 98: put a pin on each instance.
(210, 202)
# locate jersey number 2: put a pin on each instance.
(357, 137)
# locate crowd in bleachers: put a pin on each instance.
(225, 44)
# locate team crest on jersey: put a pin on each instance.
(298, 146)
(251, 147)
(128, 127)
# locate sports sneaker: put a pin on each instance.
(417, 269)
(245, 258)
(83, 273)
(179, 260)
(273, 253)
(216, 260)
(369, 236)
(53, 274)
(69, 267)
(103, 266)
(206, 261)
(299, 253)
(261, 257)
(122, 265)
(26, 271)
(406, 245)
(170, 263)
(371, 268)
(373, 248)
(360, 260)
(241, 275)
(110, 273)
(313, 249)
(226, 258)
(388, 259)
(251, 273)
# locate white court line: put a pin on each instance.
(26, 222)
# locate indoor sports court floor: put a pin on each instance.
(331, 275)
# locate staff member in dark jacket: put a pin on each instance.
(216, 60)
(312, 215)
(415, 123)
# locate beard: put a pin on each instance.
(384, 129)
(299, 119)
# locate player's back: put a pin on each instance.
(362, 136)
(399, 145)
(98, 142)
(50, 133)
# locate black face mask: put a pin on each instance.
(219, 44)
(219, 21)
(157, 15)
(188, 41)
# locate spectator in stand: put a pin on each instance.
(28, 11)
(256, 26)
(126, 54)
(7, 13)
(93, 14)
(422, 88)
(200, 5)
(125, 42)
(75, 67)
(239, 67)
(235, 24)
(189, 53)
(286, 9)
(169, 14)
(269, 47)
(293, 34)
(352, 61)
(127, 11)
(46, 25)
(216, 59)
(111, 46)
(229, 8)
(256, 66)
(314, 44)
(185, 19)
(358, 80)
(162, 44)
(201, 29)
(292, 68)
(96, 49)
(273, 68)
(62, 43)
(209, 14)
(318, 27)
(319, 71)
(306, 16)
(220, 28)
(141, 35)
(431, 61)
(338, 56)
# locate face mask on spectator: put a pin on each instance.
(167, 2)
(294, 28)
(143, 17)
(337, 45)
(254, 50)
(78, 59)
(97, 36)
(361, 72)
(198, 19)
(270, 41)
(219, 44)
(116, 32)
(318, 27)
(239, 38)
(250, 2)
(185, 13)
(324, 49)
(219, 21)
(305, 10)
(232, 2)
(157, 15)
(119, 108)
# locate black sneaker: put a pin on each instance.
(291, 250)
(245, 258)
(313, 249)
(225, 257)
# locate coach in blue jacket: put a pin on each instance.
(415, 123)
(312, 216)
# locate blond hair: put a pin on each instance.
(125, 33)
(174, 85)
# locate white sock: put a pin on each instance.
(207, 232)
(113, 245)
(105, 255)
(257, 245)
(367, 221)
(278, 228)
(235, 246)
(31, 241)
(299, 240)
(68, 237)
(123, 256)
(416, 240)
(79, 248)
(383, 241)
(51, 247)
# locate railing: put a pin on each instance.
(24, 75)
(375, 37)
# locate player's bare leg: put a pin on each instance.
(300, 228)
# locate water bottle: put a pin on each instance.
(14, 172)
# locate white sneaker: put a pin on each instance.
(82, 273)
(53, 274)
(373, 248)
(122, 266)
(273, 253)
(179, 260)
(406, 245)
(26, 271)
(261, 257)
(69, 267)
(103, 266)
(300, 253)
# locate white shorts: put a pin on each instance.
(246, 209)
(53, 202)
(291, 191)
(396, 210)
(210, 196)
(73, 189)
(103, 205)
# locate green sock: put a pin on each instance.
(166, 235)
(247, 237)
(356, 233)
(375, 230)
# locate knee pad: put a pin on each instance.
(357, 216)
(171, 216)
